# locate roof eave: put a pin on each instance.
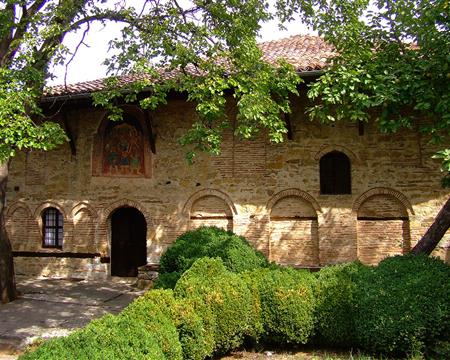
(87, 95)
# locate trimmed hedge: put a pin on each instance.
(335, 293)
(403, 306)
(215, 290)
(110, 337)
(196, 340)
(148, 315)
(287, 304)
(236, 253)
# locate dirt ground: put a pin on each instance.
(294, 355)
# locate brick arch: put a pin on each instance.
(293, 235)
(383, 191)
(293, 192)
(107, 212)
(84, 237)
(84, 205)
(47, 204)
(383, 226)
(208, 192)
(16, 205)
(68, 224)
(21, 227)
(330, 148)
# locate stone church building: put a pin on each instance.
(119, 193)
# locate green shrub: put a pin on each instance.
(145, 313)
(196, 341)
(403, 305)
(335, 303)
(236, 253)
(110, 337)
(212, 289)
(287, 305)
(166, 280)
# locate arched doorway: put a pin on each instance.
(128, 241)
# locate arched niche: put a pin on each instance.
(293, 234)
(122, 148)
(382, 227)
(20, 226)
(84, 219)
(210, 208)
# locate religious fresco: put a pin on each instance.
(123, 151)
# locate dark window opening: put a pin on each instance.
(335, 174)
(53, 228)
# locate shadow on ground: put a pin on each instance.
(55, 307)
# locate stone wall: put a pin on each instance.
(269, 193)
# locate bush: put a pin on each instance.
(335, 296)
(145, 313)
(236, 253)
(110, 337)
(403, 305)
(212, 289)
(166, 280)
(287, 305)
(196, 341)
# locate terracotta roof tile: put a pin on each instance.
(304, 52)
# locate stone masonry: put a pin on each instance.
(266, 192)
(269, 193)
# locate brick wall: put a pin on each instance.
(269, 193)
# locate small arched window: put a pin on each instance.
(52, 228)
(335, 174)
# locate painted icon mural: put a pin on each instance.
(123, 150)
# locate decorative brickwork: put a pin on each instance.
(84, 229)
(344, 149)
(19, 224)
(269, 193)
(383, 191)
(210, 208)
(383, 226)
(293, 235)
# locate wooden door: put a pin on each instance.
(128, 241)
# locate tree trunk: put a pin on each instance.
(7, 282)
(435, 233)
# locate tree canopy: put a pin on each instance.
(393, 62)
(213, 39)
(392, 56)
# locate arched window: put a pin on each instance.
(335, 174)
(52, 228)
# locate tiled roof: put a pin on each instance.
(304, 52)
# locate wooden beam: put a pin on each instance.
(73, 148)
(151, 136)
(287, 120)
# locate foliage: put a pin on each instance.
(398, 308)
(196, 341)
(335, 303)
(148, 315)
(403, 305)
(236, 253)
(225, 295)
(110, 337)
(287, 305)
(392, 62)
(166, 280)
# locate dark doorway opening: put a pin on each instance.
(128, 241)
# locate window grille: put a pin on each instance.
(53, 228)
